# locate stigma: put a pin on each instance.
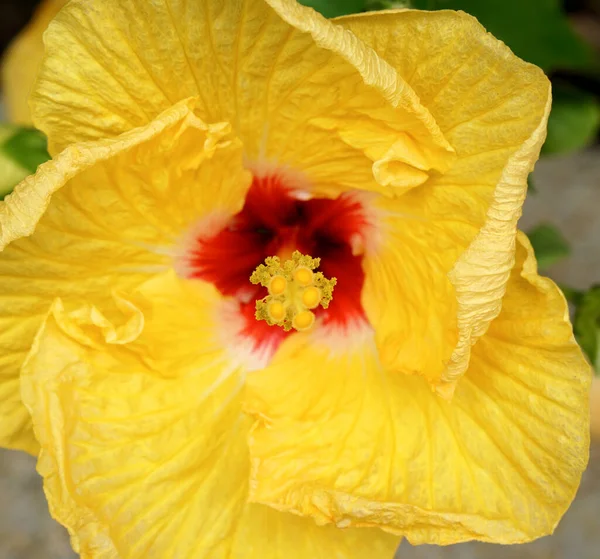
(295, 291)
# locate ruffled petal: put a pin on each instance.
(342, 440)
(300, 91)
(22, 61)
(143, 440)
(101, 216)
(492, 107)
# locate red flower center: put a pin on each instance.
(275, 221)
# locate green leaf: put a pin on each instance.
(574, 120)
(21, 151)
(549, 245)
(11, 173)
(335, 8)
(587, 325)
(536, 30)
(27, 147)
(387, 4)
(572, 295)
(531, 189)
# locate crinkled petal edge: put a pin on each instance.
(22, 209)
(481, 273)
(89, 537)
(374, 70)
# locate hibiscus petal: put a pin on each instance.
(294, 537)
(285, 80)
(104, 215)
(492, 107)
(408, 296)
(143, 445)
(339, 439)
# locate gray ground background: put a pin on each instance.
(569, 197)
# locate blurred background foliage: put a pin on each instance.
(560, 36)
(14, 17)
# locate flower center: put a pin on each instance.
(276, 221)
(294, 290)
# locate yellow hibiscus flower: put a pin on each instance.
(439, 396)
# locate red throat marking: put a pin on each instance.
(272, 222)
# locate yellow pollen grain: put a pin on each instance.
(311, 297)
(277, 285)
(303, 320)
(303, 276)
(277, 311)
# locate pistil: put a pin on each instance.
(295, 290)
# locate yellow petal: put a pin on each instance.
(492, 108)
(22, 60)
(595, 409)
(339, 439)
(104, 216)
(285, 81)
(143, 445)
(407, 295)
(265, 533)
